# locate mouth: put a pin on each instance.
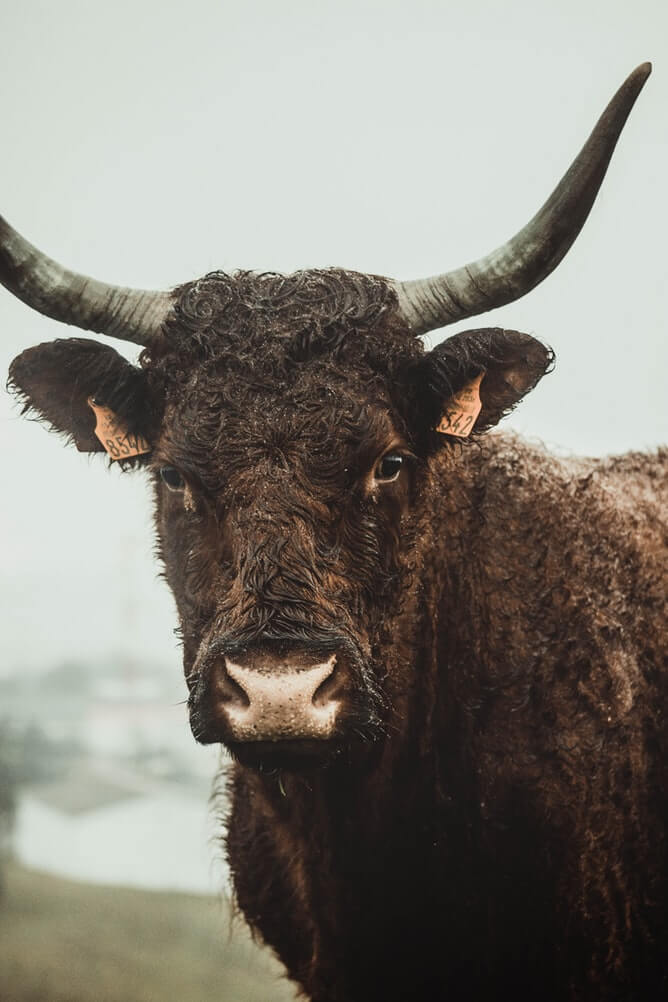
(300, 755)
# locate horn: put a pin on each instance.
(516, 267)
(129, 314)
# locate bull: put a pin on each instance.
(433, 653)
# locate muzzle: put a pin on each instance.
(271, 692)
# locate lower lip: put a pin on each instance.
(291, 755)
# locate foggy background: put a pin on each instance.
(148, 143)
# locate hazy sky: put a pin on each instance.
(148, 142)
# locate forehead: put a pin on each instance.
(267, 328)
(263, 360)
(317, 416)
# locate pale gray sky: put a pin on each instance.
(146, 143)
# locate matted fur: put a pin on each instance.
(491, 820)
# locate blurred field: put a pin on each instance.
(67, 942)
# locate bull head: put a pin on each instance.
(291, 422)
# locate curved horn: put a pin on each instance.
(129, 314)
(518, 266)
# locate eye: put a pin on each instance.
(172, 478)
(389, 467)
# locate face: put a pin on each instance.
(284, 523)
(291, 424)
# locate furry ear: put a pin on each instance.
(56, 380)
(501, 365)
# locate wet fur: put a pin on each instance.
(510, 836)
(493, 822)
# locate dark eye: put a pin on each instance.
(389, 467)
(172, 478)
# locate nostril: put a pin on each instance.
(328, 690)
(227, 691)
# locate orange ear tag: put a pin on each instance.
(114, 436)
(462, 410)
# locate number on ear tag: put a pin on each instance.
(114, 436)
(462, 410)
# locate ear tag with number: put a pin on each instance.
(462, 410)
(114, 436)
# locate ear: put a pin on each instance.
(56, 380)
(470, 381)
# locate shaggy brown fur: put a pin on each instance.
(489, 819)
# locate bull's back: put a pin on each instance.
(638, 485)
(615, 507)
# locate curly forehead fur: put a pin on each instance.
(262, 359)
(269, 327)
